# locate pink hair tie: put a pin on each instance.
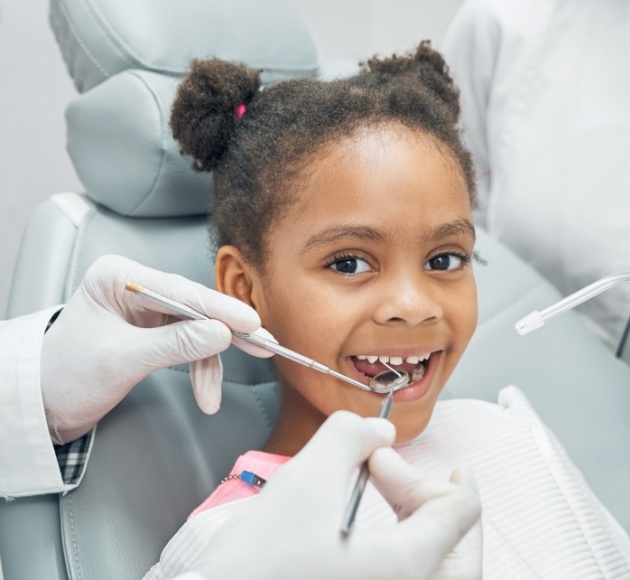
(240, 111)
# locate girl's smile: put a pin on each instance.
(418, 367)
(369, 263)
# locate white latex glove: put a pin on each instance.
(107, 339)
(440, 504)
(291, 529)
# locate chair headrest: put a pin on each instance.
(120, 142)
(100, 38)
(126, 59)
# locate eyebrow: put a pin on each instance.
(457, 228)
(334, 233)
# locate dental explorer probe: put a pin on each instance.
(364, 474)
(260, 341)
(536, 319)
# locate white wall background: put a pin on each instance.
(35, 89)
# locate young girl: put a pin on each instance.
(343, 212)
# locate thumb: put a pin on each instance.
(434, 515)
(338, 447)
(407, 491)
(354, 438)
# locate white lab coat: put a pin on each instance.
(545, 90)
(28, 464)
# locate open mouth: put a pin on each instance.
(371, 365)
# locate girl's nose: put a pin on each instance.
(409, 300)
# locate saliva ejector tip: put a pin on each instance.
(531, 322)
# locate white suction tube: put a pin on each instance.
(537, 319)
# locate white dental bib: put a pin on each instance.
(540, 519)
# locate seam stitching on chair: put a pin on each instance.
(114, 42)
(158, 173)
(82, 44)
(262, 406)
(128, 54)
(253, 386)
(174, 369)
(75, 548)
(77, 255)
(134, 59)
(228, 380)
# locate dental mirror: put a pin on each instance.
(382, 382)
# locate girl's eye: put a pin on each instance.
(445, 262)
(350, 265)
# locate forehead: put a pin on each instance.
(382, 175)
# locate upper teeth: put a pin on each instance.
(395, 360)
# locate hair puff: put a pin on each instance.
(208, 107)
(427, 64)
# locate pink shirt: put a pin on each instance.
(258, 462)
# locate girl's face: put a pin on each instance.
(372, 263)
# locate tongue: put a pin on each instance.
(372, 369)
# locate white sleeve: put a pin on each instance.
(28, 464)
(471, 48)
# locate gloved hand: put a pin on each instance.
(440, 512)
(292, 527)
(107, 339)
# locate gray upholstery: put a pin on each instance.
(623, 351)
(99, 39)
(139, 490)
(146, 176)
(156, 456)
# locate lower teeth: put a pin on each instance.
(418, 373)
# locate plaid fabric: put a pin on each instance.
(72, 458)
(52, 320)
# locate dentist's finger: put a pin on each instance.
(235, 314)
(434, 515)
(180, 342)
(252, 349)
(207, 376)
(406, 489)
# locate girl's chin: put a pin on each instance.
(406, 435)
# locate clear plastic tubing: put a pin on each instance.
(536, 319)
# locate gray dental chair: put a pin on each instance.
(156, 456)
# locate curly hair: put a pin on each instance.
(256, 156)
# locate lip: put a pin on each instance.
(413, 391)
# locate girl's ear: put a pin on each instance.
(234, 276)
